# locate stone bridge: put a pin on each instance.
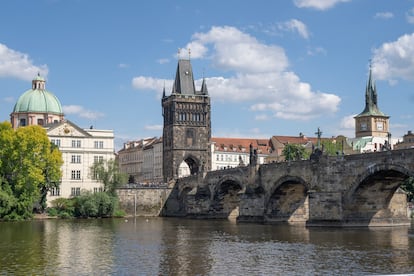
(351, 190)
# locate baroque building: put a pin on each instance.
(187, 125)
(80, 147)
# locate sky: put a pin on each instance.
(271, 67)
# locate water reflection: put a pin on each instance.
(164, 246)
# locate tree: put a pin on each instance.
(108, 173)
(29, 167)
(408, 187)
(295, 152)
(331, 147)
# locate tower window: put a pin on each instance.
(22, 122)
(189, 135)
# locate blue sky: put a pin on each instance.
(272, 67)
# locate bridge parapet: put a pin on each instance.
(337, 190)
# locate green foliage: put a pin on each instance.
(95, 205)
(65, 207)
(119, 213)
(331, 147)
(29, 167)
(408, 187)
(108, 173)
(295, 152)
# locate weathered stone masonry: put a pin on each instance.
(354, 190)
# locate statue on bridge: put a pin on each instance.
(253, 156)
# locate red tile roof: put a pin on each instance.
(241, 144)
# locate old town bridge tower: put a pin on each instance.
(187, 125)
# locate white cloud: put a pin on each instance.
(153, 127)
(18, 65)
(149, 83)
(163, 60)
(261, 117)
(9, 100)
(410, 16)
(240, 52)
(316, 51)
(295, 25)
(123, 65)
(348, 122)
(395, 60)
(259, 76)
(81, 112)
(318, 4)
(384, 15)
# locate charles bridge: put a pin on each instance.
(350, 190)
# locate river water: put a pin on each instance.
(172, 246)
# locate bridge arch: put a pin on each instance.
(287, 201)
(192, 163)
(373, 193)
(226, 197)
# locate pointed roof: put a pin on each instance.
(204, 90)
(371, 98)
(184, 81)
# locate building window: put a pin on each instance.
(40, 122)
(22, 122)
(76, 143)
(76, 159)
(98, 144)
(56, 142)
(97, 159)
(75, 191)
(55, 191)
(76, 174)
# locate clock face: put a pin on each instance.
(380, 126)
(363, 126)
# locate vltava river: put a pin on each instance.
(167, 246)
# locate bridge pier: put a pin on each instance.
(356, 190)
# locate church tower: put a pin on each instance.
(187, 125)
(371, 121)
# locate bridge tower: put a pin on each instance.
(187, 125)
(371, 121)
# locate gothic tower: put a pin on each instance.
(371, 121)
(187, 125)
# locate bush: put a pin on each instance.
(95, 205)
(53, 212)
(62, 207)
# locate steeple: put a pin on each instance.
(371, 105)
(163, 91)
(204, 90)
(371, 122)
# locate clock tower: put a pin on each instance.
(187, 125)
(371, 121)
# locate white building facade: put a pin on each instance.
(80, 147)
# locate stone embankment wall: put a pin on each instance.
(143, 201)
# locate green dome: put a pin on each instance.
(38, 99)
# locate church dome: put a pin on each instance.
(38, 99)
